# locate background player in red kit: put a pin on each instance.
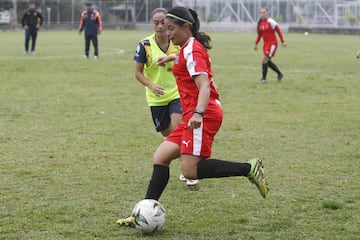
(202, 115)
(266, 29)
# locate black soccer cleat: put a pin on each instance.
(280, 77)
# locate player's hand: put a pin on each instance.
(26, 27)
(37, 26)
(164, 59)
(195, 121)
(255, 47)
(284, 44)
(158, 90)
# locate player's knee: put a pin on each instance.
(189, 174)
(159, 159)
(165, 153)
(189, 170)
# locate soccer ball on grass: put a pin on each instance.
(149, 215)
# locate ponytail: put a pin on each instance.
(182, 15)
(258, 25)
(202, 37)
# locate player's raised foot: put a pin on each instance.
(257, 176)
(280, 77)
(26, 53)
(182, 178)
(262, 81)
(96, 57)
(128, 222)
(86, 57)
(33, 53)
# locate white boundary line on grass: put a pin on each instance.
(53, 57)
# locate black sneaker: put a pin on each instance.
(280, 76)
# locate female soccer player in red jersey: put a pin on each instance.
(266, 29)
(202, 115)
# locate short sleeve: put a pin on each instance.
(140, 54)
(195, 61)
(273, 23)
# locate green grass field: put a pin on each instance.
(76, 141)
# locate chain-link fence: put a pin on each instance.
(66, 13)
(128, 13)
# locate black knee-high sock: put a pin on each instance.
(214, 168)
(158, 182)
(274, 67)
(264, 70)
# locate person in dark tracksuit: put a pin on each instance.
(90, 21)
(31, 22)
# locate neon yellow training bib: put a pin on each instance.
(159, 75)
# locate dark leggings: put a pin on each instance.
(94, 40)
(30, 33)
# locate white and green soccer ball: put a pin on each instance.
(149, 215)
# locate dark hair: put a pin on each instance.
(258, 25)
(157, 10)
(190, 16)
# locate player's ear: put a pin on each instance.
(186, 26)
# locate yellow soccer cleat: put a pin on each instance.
(257, 176)
(129, 221)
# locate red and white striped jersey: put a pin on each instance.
(267, 29)
(192, 60)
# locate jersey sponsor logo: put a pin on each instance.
(192, 64)
(264, 27)
(186, 143)
(146, 42)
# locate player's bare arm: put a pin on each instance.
(202, 83)
(164, 59)
(158, 90)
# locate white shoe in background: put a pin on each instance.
(189, 182)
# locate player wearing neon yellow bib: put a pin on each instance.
(158, 75)
(160, 86)
(161, 89)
